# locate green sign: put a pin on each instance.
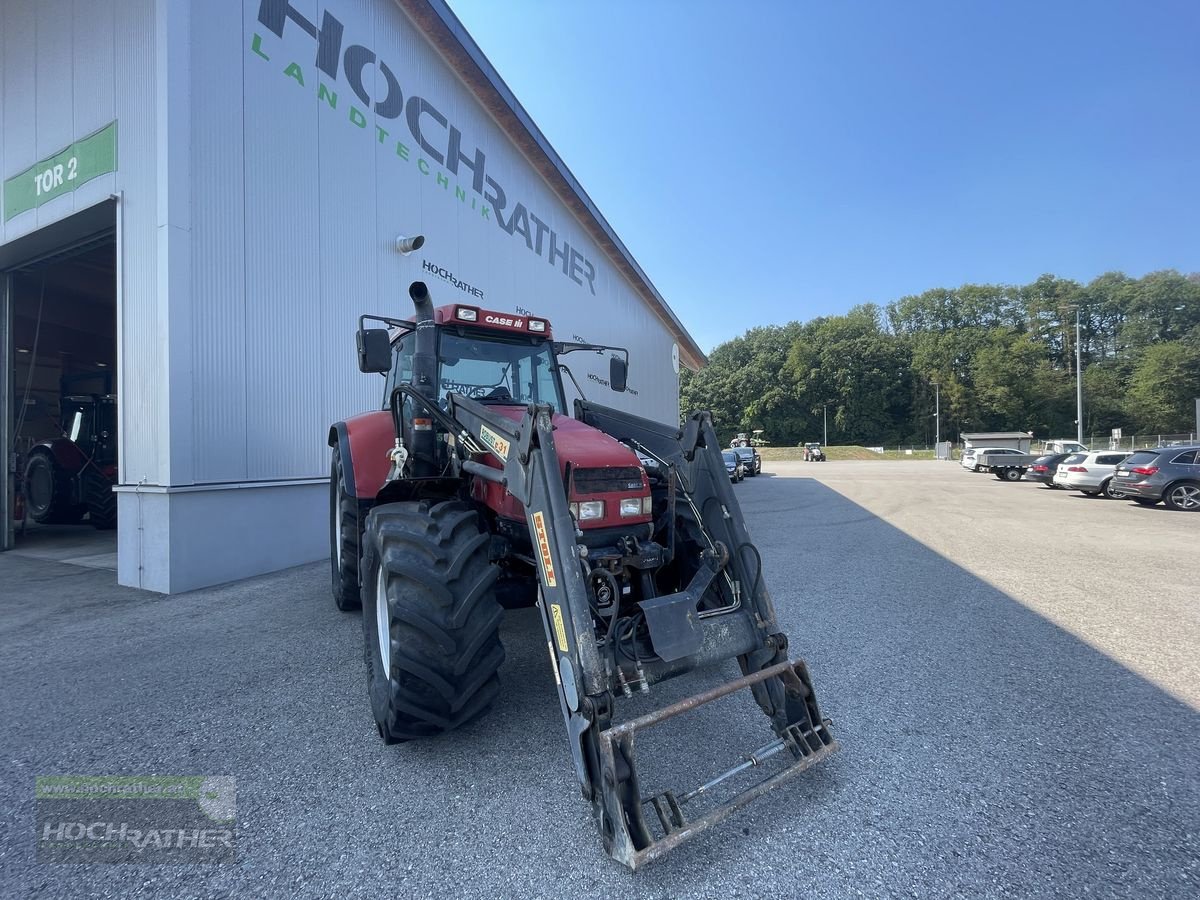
(62, 173)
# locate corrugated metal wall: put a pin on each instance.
(67, 69)
(297, 197)
(288, 202)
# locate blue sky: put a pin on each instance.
(766, 162)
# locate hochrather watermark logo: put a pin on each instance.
(151, 819)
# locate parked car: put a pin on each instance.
(1044, 467)
(733, 465)
(969, 461)
(1169, 474)
(751, 461)
(1090, 473)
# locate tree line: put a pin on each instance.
(1002, 356)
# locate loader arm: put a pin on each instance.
(635, 828)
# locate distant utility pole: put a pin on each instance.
(825, 423)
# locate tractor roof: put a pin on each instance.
(489, 319)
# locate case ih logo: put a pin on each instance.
(437, 138)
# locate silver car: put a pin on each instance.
(1169, 474)
(1090, 473)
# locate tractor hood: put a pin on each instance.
(580, 445)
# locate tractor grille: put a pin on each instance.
(600, 481)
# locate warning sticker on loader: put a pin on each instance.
(560, 629)
(539, 527)
(495, 443)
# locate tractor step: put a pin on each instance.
(808, 742)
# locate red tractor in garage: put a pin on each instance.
(472, 490)
(72, 476)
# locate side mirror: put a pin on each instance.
(374, 350)
(618, 372)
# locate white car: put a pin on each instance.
(968, 457)
(1090, 473)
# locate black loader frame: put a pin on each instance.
(690, 478)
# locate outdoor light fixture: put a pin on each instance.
(467, 314)
(537, 325)
(407, 245)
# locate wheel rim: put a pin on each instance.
(337, 518)
(382, 623)
(1186, 496)
(40, 489)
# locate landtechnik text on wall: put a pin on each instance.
(436, 138)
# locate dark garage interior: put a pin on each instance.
(63, 453)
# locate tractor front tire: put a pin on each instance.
(431, 621)
(345, 534)
(101, 501)
(47, 489)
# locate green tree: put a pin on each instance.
(1163, 386)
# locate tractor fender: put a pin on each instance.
(364, 441)
(66, 453)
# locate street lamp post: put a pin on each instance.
(825, 424)
(937, 417)
(1078, 383)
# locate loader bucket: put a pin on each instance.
(638, 829)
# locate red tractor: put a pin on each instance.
(73, 475)
(472, 490)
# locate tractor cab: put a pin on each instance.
(491, 357)
(508, 362)
(90, 421)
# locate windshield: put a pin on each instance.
(492, 369)
(744, 452)
(730, 456)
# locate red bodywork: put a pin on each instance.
(67, 454)
(579, 446)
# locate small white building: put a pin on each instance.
(199, 199)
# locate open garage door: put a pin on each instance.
(61, 401)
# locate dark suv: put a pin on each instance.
(751, 461)
(1169, 474)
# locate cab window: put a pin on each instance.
(402, 364)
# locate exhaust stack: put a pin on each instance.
(425, 379)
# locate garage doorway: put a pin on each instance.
(62, 402)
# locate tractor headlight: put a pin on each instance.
(631, 506)
(537, 325)
(467, 314)
(589, 509)
(647, 505)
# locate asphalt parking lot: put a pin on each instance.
(1012, 673)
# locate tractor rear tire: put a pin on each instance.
(101, 501)
(47, 489)
(428, 591)
(345, 538)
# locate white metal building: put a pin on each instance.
(210, 191)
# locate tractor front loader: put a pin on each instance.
(624, 532)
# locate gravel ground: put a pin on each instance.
(1012, 674)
